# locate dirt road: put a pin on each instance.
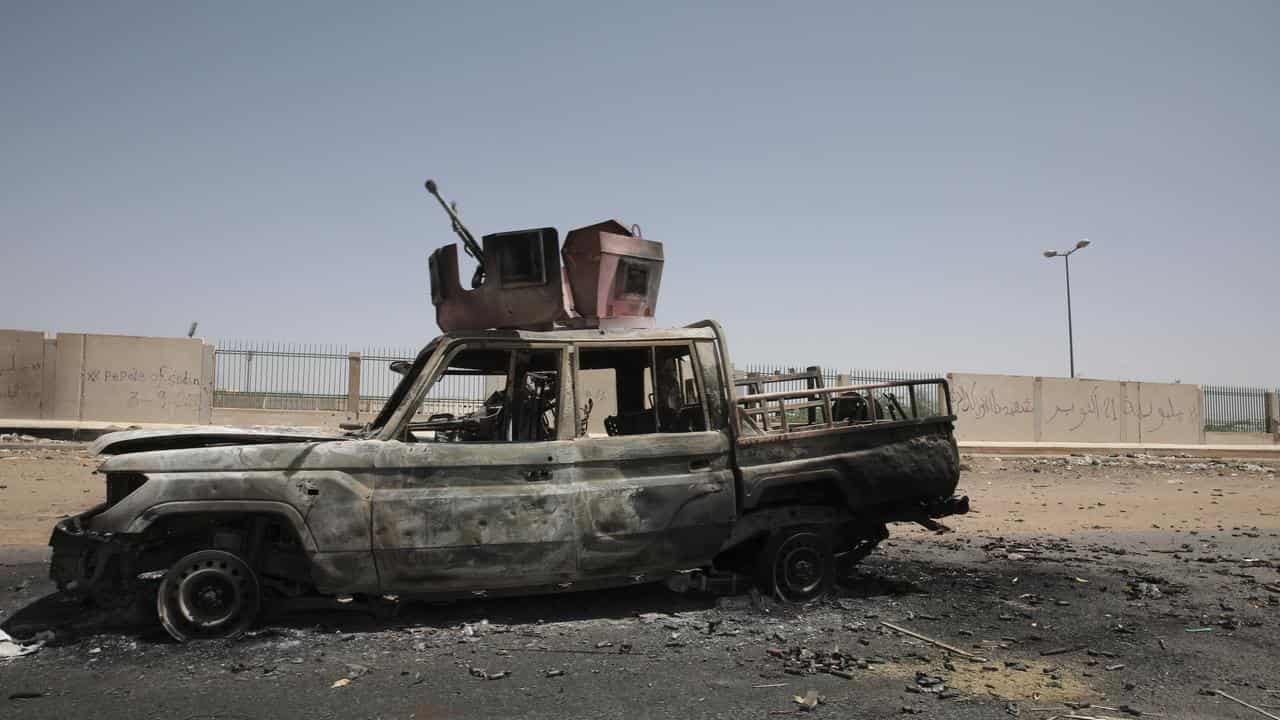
(1134, 585)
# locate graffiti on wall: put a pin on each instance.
(20, 381)
(979, 402)
(1097, 408)
(162, 390)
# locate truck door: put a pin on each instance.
(655, 484)
(477, 493)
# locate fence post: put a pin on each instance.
(842, 380)
(1271, 413)
(353, 386)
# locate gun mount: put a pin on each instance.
(605, 276)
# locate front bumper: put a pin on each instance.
(83, 558)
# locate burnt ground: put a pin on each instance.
(1134, 585)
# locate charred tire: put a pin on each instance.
(797, 565)
(208, 594)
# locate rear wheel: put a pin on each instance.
(797, 565)
(208, 594)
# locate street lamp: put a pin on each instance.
(1066, 259)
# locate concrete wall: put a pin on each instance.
(140, 379)
(994, 406)
(1087, 411)
(1033, 409)
(115, 378)
(21, 374)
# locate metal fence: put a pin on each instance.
(284, 376)
(280, 376)
(291, 376)
(1235, 408)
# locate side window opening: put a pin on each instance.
(639, 390)
(520, 391)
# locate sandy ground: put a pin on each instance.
(1093, 587)
(40, 485)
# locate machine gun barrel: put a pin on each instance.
(468, 240)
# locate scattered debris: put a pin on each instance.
(1145, 591)
(927, 683)
(808, 701)
(1255, 708)
(486, 675)
(931, 641)
(10, 648)
(343, 682)
(1061, 650)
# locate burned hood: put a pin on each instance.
(131, 441)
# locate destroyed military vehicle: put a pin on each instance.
(599, 451)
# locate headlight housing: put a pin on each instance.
(121, 484)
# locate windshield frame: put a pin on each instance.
(403, 389)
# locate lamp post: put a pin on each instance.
(1066, 259)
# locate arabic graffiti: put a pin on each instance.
(1094, 409)
(978, 404)
(1114, 407)
(1024, 408)
(19, 384)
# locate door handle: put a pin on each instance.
(537, 475)
(697, 465)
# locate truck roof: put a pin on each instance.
(692, 332)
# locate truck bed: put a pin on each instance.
(883, 445)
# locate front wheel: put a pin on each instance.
(797, 565)
(208, 594)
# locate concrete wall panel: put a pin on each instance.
(21, 374)
(1085, 411)
(142, 379)
(994, 407)
(67, 377)
(1170, 413)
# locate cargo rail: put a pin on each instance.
(816, 407)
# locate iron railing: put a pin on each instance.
(280, 376)
(763, 412)
(290, 376)
(929, 398)
(1234, 408)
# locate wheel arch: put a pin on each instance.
(284, 511)
(818, 486)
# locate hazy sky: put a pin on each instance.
(841, 183)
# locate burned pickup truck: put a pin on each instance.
(596, 451)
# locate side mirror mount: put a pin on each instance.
(401, 367)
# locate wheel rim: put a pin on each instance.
(801, 568)
(208, 594)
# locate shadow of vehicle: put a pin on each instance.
(71, 618)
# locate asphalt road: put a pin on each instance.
(1073, 616)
